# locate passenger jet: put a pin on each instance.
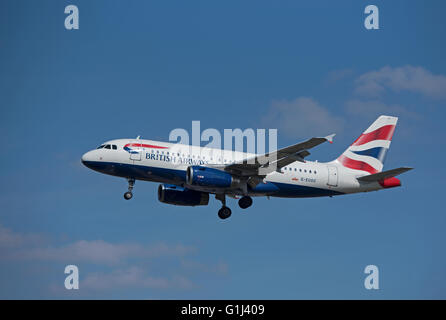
(188, 174)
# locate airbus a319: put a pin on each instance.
(189, 174)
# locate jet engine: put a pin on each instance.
(209, 177)
(179, 196)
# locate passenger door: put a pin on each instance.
(332, 176)
(136, 153)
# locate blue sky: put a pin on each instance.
(145, 68)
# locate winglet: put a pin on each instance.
(330, 137)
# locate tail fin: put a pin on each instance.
(368, 152)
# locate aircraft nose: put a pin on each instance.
(87, 157)
(93, 160)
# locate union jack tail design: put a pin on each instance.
(368, 152)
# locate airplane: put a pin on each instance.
(189, 174)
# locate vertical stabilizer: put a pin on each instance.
(368, 152)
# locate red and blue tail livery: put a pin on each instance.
(188, 175)
(368, 152)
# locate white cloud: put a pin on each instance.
(338, 75)
(376, 108)
(101, 252)
(132, 277)
(10, 239)
(219, 268)
(407, 78)
(127, 265)
(302, 117)
(23, 246)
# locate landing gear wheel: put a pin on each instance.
(128, 195)
(224, 213)
(245, 202)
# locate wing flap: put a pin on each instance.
(256, 168)
(281, 157)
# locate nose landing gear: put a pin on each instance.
(128, 195)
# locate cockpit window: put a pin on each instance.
(108, 146)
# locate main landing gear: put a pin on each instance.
(224, 213)
(128, 195)
(245, 202)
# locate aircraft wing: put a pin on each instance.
(273, 161)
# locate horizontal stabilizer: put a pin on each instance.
(384, 175)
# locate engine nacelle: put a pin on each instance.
(209, 177)
(179, 196)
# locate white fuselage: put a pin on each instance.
(167, 163)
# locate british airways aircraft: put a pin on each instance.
(188, 174)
